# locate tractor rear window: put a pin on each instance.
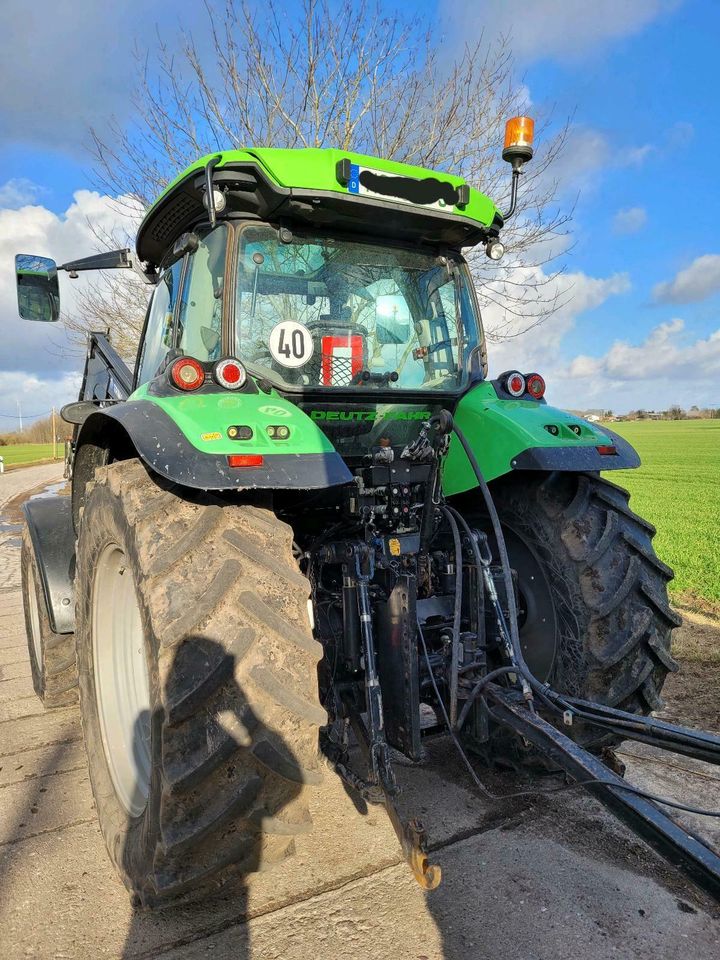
(319, 311)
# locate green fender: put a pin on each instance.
(189, 439)
(510, 435)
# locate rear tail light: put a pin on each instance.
(607, 450)
(515, 383)
(187, 374)
(230, 374)
(535, 386)
(245, 460)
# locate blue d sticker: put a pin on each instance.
(354, 181)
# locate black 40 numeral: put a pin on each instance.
(296, 346)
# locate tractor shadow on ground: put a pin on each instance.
(157, 929)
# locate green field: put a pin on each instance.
(677, 488)
(18, 453)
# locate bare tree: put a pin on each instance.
(344, 75)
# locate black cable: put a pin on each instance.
(477, 689)
(457, 613)
(499, 539)
(522, 667)
(480, 611)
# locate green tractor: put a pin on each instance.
(306, 528)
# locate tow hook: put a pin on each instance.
(414, 845)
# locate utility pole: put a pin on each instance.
(20, 415)
(54, 435)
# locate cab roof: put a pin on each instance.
(324, 188)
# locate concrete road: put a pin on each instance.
(14, 482)
(535, 879)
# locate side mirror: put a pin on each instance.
(37, 288)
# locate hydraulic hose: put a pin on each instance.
(477, 690)
(502, 548)
(457, 614)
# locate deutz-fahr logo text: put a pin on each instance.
(370, 415)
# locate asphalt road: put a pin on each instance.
(535, 879)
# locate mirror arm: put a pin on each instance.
(111, 260)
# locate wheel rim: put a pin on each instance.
(34, 609)
(122, 688)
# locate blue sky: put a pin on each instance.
(642, 325)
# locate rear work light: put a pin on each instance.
(187, 374)
(535, 385)
(515, 383)
(245, 460)
(230, 374)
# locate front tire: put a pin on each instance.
(197, 684)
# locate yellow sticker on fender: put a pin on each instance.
(210, 436)
(394, 545)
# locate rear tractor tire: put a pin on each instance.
(52, 655)
(198, 684)
(595, 620)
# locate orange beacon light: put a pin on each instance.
(519, 133)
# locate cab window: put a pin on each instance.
(200, 315)
(159, 327)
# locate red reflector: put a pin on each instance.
(535, 386)
(515, 383)
(245, 460)
(187, 374)
(607, 451)
(230, 374)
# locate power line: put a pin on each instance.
(24, 416)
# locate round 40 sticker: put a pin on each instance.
(291, 343)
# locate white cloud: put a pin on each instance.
(558, 29)
(665, 368)
(697, 282)
(630, 220)
(573, 294)
(668, 366)
(662, 353)
(634, 156)
(588, 151)
(19, 192)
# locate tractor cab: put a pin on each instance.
(357, 285)
(334, 279)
